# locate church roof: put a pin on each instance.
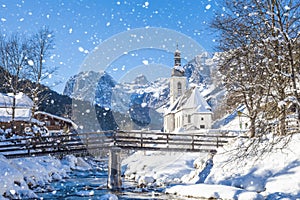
(192, 99)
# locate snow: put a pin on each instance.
(277, 172)
(208, 7)
(22, 110)
(21, 177)
(109, 197)
(214, 191)
(191, 100)
(229, 174)
(57, 117)
(154, 168)
(197, 101)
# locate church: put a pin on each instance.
(188, 109)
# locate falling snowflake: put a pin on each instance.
(146, 4)
(208, 7)
(287, 8)
(81, 49)
(145, 62)
(30, 62)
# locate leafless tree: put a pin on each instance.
(14, 52)
(260, 65)
(41, 45)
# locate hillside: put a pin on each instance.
(51, 101)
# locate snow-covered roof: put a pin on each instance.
(192, 99)
(22, 100)
(57, 117)
(22, 110)
(197, 101)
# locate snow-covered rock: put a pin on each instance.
(145, 181)
(20, 194)
(109, 197)
(11, 178)
(76, 163)
(21, 177)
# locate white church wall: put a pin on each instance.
(202, 120)
(169, 123)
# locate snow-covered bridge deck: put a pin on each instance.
(91, 143)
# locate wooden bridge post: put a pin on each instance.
(193, 142)
(114, 169)
(141, 139)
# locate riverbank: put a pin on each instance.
(23, 178)
(271, 170)
(268, 172)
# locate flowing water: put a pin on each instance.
(91, 184)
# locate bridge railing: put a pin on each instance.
(170, 141)
(54, 144)
(96, 142)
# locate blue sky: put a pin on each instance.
(80, 26)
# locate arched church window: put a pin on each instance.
(179, 89)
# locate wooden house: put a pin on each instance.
(54, 122)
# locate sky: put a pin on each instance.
(82, 27)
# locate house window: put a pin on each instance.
(202, 126)
(202, 118)
(189, 118)
(179, 89)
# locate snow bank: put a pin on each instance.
(12, 180)
(228, 175)
(38, 172)
(21, 177)
(153, 168)
(275, 174)
(213, 191)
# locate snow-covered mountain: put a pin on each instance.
(99, 87)
(139, 96)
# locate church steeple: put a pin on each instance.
(177, 58)
(177, 80)
(177, 69)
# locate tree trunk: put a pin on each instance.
(13, 115)
(252, 127)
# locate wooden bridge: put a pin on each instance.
(95, 142)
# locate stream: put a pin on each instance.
(91, 184)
